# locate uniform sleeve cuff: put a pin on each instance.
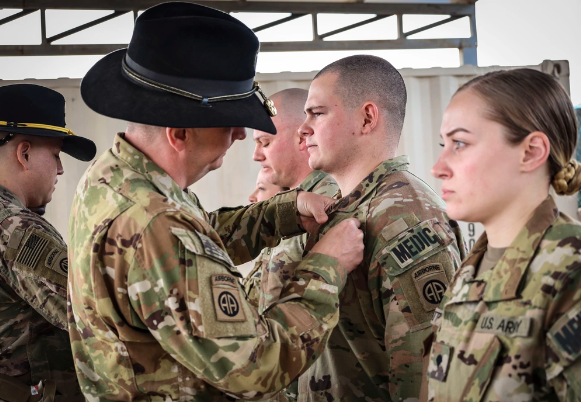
(328, 268)
(288, 221)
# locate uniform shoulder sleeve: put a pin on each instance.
(186, 291)
(35, 264)
(245, 231)
(563, 337)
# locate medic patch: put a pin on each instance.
(504, 325)
(415, 243)
(431, 283)
(227, 301)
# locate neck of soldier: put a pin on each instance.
(351, 172)
(161, 154)
(13, 182)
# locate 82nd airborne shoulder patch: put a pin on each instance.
(227, 302)
(431, 283)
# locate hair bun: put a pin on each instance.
(568, 180)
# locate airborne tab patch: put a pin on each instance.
(414, 244)
(227, 302)
(504, 325)
(431, 284)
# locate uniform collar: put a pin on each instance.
(312, 180)
(141, 164)
(504, 279)
(351, 202)
(10, 197)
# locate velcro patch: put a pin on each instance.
(30, 252)
(503, 325)
(211, 249)
(565, 333)
(227, 302)
(15, 239)
(431, 284)
(415, 243)
(41, 255)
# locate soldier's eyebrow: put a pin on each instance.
(258, 137)
(310, 109)
(455, 131)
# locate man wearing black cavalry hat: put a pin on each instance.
(157, 312)
(36, 361)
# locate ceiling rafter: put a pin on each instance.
(454, 11)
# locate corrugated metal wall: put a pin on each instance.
(429, 91)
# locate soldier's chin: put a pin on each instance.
(40, 210)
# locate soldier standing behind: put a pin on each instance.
(264, 189)
(35, 354)
(285, 162)
(509, 328)
(355, 113)
(157, 310)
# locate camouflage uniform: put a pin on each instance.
(157, 310)
(34, 342)
(513, 333)
(412, 250)
(275, 266)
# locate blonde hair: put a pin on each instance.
(524, 101)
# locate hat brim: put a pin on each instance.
(108, 92)
(79, 148)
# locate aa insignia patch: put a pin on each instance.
(227, 302)
(431, 284)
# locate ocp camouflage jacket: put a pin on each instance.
(412, 250)
(157, 312)
(513, 333)
(34, 342)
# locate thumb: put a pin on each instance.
(320, 216)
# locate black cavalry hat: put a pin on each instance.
(186, 66)
(35, 110)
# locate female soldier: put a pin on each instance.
(509, 326)
(264, 189)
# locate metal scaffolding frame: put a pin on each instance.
(467, 46)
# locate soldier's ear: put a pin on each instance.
(536, 149)
(23, 154)
(370, 113)
(177, 138)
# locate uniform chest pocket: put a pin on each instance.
(419, 267)
(456, 374)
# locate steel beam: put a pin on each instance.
(278, 22)
(85, 26)
(356, 25)
(430, 26)
(59, 50)
(16, 16)
(255, 6)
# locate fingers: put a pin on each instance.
(320, 216)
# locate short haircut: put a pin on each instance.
(365, 78)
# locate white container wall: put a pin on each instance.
(429, 91)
